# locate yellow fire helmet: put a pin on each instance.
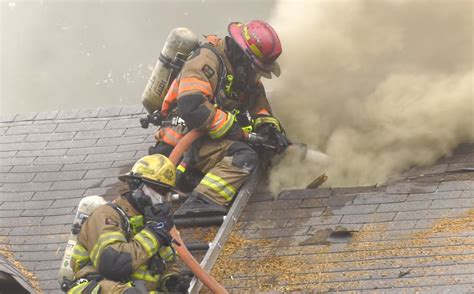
(154, 169)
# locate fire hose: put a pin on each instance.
(179, 245)
(175, 157)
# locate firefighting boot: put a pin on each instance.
(199, 205)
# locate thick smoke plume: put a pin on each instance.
(379, 86)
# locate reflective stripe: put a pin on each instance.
(80, 255)
(213, 39)
(253, 47)
(267, 120)
(263, 111)
(194, 85)
(218, 119)
(255, 50)
(104, 240)
(181, 168)
(142, 273)
(170, 97)
(221, 123)
(78, 288)
(167, 253)
(95, 290)
(170, 136)
(219, 185)
(148, 241)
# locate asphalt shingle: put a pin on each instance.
(416, 225)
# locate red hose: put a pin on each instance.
(183, 145)
(183, 252)
(194, 266)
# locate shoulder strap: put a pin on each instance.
(123, 216)
(221, 73)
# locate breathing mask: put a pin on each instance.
(144, 195)
(245, 72)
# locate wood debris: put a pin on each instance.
(6, 252)
(256, 264)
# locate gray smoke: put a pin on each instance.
(62, 55)
(379, 86)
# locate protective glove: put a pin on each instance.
(271, 132)
(159, 220)
(175, 283)
(156, 265)
(264, 129)
(282, 141)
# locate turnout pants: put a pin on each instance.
(227, 165)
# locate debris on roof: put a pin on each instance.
(14, 277)
(411, 234)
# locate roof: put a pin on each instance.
(11, 279)
(414, 234)
(50, 160)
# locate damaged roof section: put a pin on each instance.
(11, 279)
(416, 233)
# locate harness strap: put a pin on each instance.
(221, 73)
(125, 221)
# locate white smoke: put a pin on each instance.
(380, 86)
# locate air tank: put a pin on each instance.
(179, 44)
(84, 210)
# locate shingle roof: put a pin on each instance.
(415, 234)
(49, 161)
(11, 279)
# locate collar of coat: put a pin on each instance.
(126, 206)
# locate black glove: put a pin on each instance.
(155, 118)
(264, 129)
(156, 265)
(278, 138)
(175, 283)
(159, 220)
(281, 141)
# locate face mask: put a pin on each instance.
(155, 197)
(245, 75)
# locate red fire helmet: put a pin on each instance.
(260, 43)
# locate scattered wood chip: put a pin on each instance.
(404, 273)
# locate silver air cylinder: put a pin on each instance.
(85, 208)
(179, 44)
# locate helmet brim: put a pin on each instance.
(128, 177)
(267, 70)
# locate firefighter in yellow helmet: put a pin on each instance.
(125, 246)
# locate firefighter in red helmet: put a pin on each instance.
(219, 92)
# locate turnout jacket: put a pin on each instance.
(106, 248)
(194, 92)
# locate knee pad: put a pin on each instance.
(243, 156)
